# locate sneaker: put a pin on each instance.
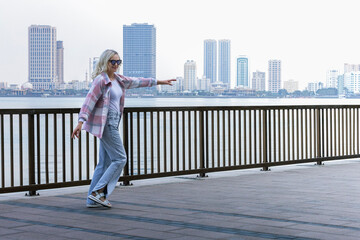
(96, 199)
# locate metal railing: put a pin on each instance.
(36, 151)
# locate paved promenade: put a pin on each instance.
(293, 202)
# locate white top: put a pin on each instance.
(115, 95)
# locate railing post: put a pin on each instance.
(318, 137)
(31, 151)
(202, 145)
(265, 148)
(126, 146)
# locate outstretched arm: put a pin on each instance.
(165, 82)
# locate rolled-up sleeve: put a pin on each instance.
(134, 82)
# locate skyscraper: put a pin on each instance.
(203, 84)
(274, 75)
(190, 75)
(341, 84)
(224, 61)
(42, 56)
(258, 81)
(210, 59)
(179, 84)
(242, 74)
(352, 81)
(95, 60)
(60, 61)
(139, 46)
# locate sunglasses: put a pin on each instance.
(113, 62)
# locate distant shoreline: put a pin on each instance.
(221, 97)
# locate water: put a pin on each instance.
(76, 102)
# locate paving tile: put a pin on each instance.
(170, 217)
(149, 226)
(44, 229)
(244, 238)
(6, 231)
(193, 238)
(35, 236)
(6, 208)
(213, 222)
(203, 233)
(12, 224)
(87, 235)
(257, 228)
(326, 236)
(156, 233)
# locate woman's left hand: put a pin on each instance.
(165, 82)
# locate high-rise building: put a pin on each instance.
(274, 75)
(42, 56)
(3, 85)
(92, 66)
(242, 73)
(139, 46)
(224, 61)
(179, 84)
(95, 60)
(351, 67)
(332, 78)
(139, 53)
(352, 81)
(291, 86)
(203, 84)
(190, 75)
(341, 85)
(210, 59)
(60, 61)
(314, 86)
(258, 81)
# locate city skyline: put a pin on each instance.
(262, 30)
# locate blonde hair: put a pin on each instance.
(102, 64)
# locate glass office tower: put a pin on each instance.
(42, 57)
(139, 46)
(210, 59)
(224, 61)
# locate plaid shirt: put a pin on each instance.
(96, 105)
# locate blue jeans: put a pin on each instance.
(112, 158)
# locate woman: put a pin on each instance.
(100, 115)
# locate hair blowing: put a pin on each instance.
(102, 64)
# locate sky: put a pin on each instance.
(308, 36)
